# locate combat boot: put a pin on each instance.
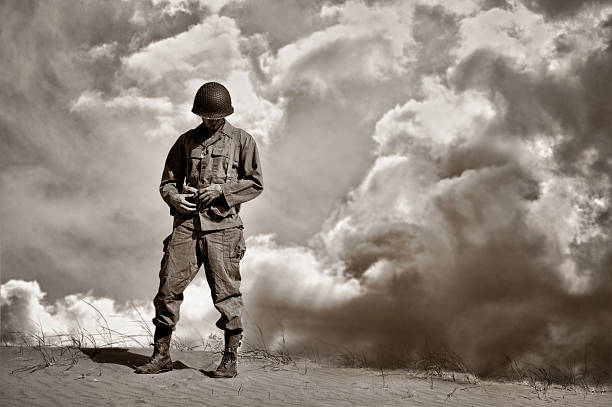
(160, 361)
(227, 367)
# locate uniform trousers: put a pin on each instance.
(185, 251)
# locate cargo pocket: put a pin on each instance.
(240, 248)
(234, 248)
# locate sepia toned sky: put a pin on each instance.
(433, 170)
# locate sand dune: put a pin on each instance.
(105, 378)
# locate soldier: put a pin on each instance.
(210, 171)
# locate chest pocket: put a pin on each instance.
(219, 149)
(212, 164)
(197, 163)
(219, 161)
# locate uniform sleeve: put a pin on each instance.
(250, 178)
(173, 174)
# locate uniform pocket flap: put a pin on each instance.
(219, 150)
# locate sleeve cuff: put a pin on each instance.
(229, 197)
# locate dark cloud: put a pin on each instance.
(457, 238)
(561, 8)
(61, 179)
(479, 275)
(489, 4)
(536, 103)
(36, 264)
(284, 25)
(494, 294)
(435, 32)
(541, 103)
(593, 116)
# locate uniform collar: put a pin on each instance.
(225, 129)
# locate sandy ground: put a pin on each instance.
(105, 378)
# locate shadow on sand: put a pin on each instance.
(208, 373)
(122, 356)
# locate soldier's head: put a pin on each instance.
(212, 124)
(212, 103)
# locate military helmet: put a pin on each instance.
(212, 101)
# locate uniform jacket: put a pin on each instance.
(198, 158)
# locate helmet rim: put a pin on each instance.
(212, 101)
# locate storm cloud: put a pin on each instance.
(438, 173)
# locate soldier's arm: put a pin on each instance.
(250, 177)
(172, 179)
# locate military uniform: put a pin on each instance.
(214, 236)
(220, 170)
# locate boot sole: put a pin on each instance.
(159, 371)
(224, 377)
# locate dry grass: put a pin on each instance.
(258, 348)
(542, 378)
(46, 355)
(61, 349)
(430, 365)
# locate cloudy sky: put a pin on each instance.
(436, 172)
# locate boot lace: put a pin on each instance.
(228, 357)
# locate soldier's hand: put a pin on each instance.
(188, 189)
(209, 194)
(182, 205)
